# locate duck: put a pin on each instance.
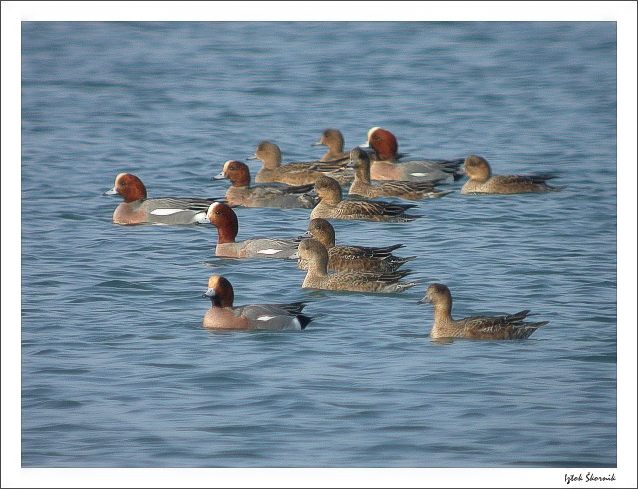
(282, 196)
(402, 189)
(138, 209)
(352, 258)
(386, 166)
(315, 255)
(481, 181)
(331, 205)
(504, 327)
(333, 139)
(297, 173)
(225, 220)
(223, 315)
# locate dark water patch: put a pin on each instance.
(63, 371)
(124, 284)
(174, 366)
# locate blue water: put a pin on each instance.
(116, 368)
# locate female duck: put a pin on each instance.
(137, 209)
(390, 188)
(481, 180)
(225, 220)
(352, 258)
(333, 139)
(386, 167)
(241, 193)
(508, 327)
(315, 255)
(299, 173)
(331, 205)
(223, 315)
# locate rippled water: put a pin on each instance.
(116, 369)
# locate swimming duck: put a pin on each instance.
(223, 315)
(138, 209)
(333, 139)
(298, 173)
(481, 180)
(506, 327)
(225, 220)
(385, 164)
(283, 196)
(315, 255)
(352, 258)
(331, 205)
(388, 188)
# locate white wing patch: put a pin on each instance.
(165, 212)
(265, 318)
(419, 174)
(269, 251)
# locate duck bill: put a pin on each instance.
(365, 145)
(113, 191)
(305, 235)
(317, 143)
(220, 176)
(425, 300)
(252, 157)
(209, 294)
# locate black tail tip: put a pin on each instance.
(303, 320)
(458, 176)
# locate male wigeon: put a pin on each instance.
(315, 255)
(389, 188)
(331, 205)
(272, 317)
(241, 193)
(333, 139)
(385, 164)
(506, 327)
(352, 258)
(225, 220)
(297, 173)
(137, 209)
(481, 180)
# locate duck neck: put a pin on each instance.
(331, 198)
(227, 232)
(362, 173)
(271, 160)
(442, 314)
(241, 180)
(326, 240)
(318, 267)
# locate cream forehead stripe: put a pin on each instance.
(371, 131)
(213, 281)
(226, 165)
(119, 175)
(210, 209)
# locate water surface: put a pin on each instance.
(116, 369)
